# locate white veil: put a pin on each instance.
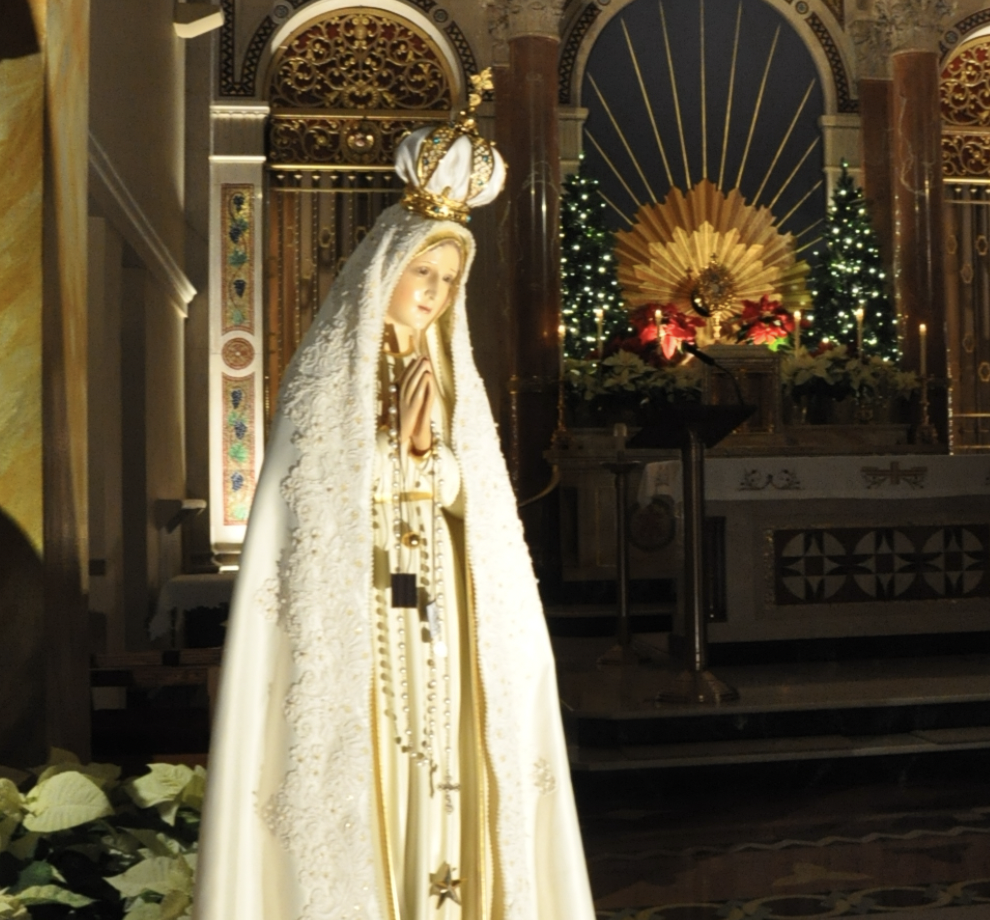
(289, 819)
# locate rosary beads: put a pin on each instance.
(408, 540)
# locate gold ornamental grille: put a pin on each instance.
(965, 101)
(965, 87)
(360, 59)
(344, 90)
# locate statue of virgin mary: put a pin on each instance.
(387, 743)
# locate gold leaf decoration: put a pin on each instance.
(675, 250)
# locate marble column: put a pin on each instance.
(529, 91)
(919, 271)
(497, 263)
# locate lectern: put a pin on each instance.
(691, 428)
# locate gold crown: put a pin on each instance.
(436, 145)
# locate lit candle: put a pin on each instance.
(600, 321)
(923, 349)
(797, 329)
(658, 319)
(562, 335)
(860, 313)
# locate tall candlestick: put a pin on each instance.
(797, 330)
(860, 313)
(923, 349)
(600, 322)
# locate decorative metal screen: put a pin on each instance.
(344, 91)
(316, 219)
(965, 88)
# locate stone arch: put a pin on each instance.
(963, 31)
(239, 78)
(308, 16)
(814, 21)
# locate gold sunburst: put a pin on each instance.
(673, 247)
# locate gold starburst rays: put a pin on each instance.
(671, 247)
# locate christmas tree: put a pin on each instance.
(588, 281)
(850, 275)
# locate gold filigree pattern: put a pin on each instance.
(360, 59)
(966, 155)
(327, 141)
(965, 87)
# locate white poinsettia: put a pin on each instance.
(52, 894)
(11, 811)
(11, 907)
(63, 801)
(11, 800)
(166, 787)
(170, 877)
(104, 775)
(174, 906)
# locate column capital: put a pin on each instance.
(873, 46)
(913, 25)
(497, 20)
(525, 18)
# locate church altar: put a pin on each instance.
(798, 545)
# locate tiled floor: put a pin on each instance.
(830, 839)
(904, 834)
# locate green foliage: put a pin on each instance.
(849, 271)
(78, 841)
(588, 268)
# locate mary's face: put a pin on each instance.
(425, 287)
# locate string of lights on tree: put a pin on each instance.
(588, 269)
(850, 275)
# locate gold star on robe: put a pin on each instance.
(444, 885)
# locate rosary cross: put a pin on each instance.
(448, 786)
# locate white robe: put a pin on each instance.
(292, 824)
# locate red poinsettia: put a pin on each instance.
(764, 321)
(675, 327)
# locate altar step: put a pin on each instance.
(786, 711)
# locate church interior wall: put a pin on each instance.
(21, 127)
(138, 108)
(44, 64)
(106, 445)
(164, 406)
(21, 524)
(149, 353)
(138, 198)
(199, 93)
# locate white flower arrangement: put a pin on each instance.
(835, 374)
(624, 374)
(77, 830)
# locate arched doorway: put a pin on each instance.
(344, 89)
(717, 91)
